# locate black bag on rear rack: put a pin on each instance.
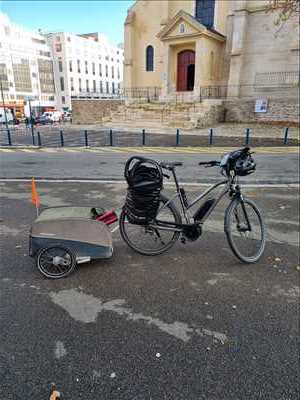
(145, 181)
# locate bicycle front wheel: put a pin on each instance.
(151, 240)
(245, 230)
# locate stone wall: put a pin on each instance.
(278, 111)
(93, 111)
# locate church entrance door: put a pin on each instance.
(185, 70)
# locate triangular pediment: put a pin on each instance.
(184, 25)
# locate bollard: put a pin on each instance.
(247, 141)
(177, 137)
(33, 138)
(143, 137)
(62, 138)
(111, 137)
(286, 132)
(211, 136)
(86, 138)
(8, 137)
(39, 139)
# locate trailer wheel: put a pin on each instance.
(56, 262)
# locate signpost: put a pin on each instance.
(4, 109)
(31, 119)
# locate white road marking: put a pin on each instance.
(123, 182)
(115, 229)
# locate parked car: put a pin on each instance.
(9, 116)
(67, 116)
(55, 116)
(43, 120)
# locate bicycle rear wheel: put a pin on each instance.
(151, 240)
(245, 230)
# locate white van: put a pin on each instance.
(54, 116)
(9, 115)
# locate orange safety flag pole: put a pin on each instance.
(35, 199)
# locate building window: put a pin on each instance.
(118, 73)
(100, 69)
(94, 86)
(58, 47)
(106, 71)
(78, 66)
(60, 66)
(22, 76)
(87, 85)
(46, 78)
(63, 99)
(107, 87)
(68, 39)
(70, 66)
(101, 87)
(79, 85)
(93, 68)
(86, 67)
(205, 10)
(112, 72)
(149, 58)
(72, 84)
(62, 84)
(113, 87)
(57, 38)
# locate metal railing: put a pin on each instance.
(68, 137)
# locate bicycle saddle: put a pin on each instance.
(170, 164)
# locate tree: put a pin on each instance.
(285, 9)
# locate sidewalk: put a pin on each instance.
(224, 129)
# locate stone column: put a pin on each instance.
(165, 78)
(202, 65)
(128, 50)
(237, 50)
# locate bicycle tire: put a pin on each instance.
(167, 246)
(229, 231)
(46, 270)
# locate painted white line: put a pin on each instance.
(123, 182)
(115, 229)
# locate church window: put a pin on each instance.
(205, 10)
(181, 28)
(149, 58)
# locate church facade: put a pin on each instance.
(209, 48)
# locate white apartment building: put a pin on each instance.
(85, 66)
(26, 68)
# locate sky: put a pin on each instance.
(70, 16)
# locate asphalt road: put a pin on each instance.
(272, 167)
(191, 324)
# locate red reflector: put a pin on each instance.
(109, 217)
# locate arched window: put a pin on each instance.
(205, 10)
(149, 58)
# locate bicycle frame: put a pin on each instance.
(231, 186)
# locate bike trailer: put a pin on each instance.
(62, 237)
